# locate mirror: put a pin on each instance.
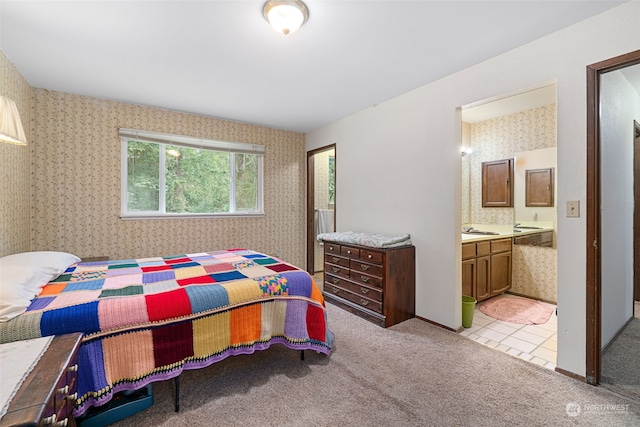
(522, 127)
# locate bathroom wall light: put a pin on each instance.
(11, 130)
(285, 16)
(466, 150)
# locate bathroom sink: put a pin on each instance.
(488, 233)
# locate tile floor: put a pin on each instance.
(534, 343)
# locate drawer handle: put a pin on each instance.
(50, 420)
(335, 269)
(330, 248)
(62, 423)
(369, 257)
(364, 278)
(349, 252)
(364, 290)
(363, 301)
(335, 291)
(336, 259)
(73, 397)
(365, 267)
(64, 390)
(335, 279)
(73, 368)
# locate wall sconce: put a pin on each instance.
(285, 16)
(11, 130)
(465, 150)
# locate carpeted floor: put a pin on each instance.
(621, 362)
(413, 374)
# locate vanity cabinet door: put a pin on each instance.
(500, 273)
(469, 277)
(497, 184)
(483, 278)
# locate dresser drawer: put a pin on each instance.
(337, 260)
(331, 248)
(367, 291)
(501, 245)
(350, 252)
(364, 267)
(468, 250)
(372, 257)
(355, 298)
(365, 279)
(336, 269)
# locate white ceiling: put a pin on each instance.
(221, 59)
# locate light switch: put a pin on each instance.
(573, 209)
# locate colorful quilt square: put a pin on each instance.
(218, 268)
(128, 355)
(158, 287)
(178, 260)
(316, 323)
(274, 314)
(90, 285)
(52, 289)
(294, 326)
(278, 268)
(159, 267)
(146, 264)
(116, 282)
(67, 299)
(62, 278)
(274, 285)
(62, 320)
(257, 271)
(124, 271)
(243, 264)
(168, 305)
(121, 292)
(300, 283)
(158, 276)
(212, 334)
(201, 280)
(230, 275)
(204, 298)
(172, 343)
(80, 275)
(184, 265)
(118, 312)
(40, 303)
(242, 291)
(245, 324)
(265, 261)
(124, 265)
(187, 272)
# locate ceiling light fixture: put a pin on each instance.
(285, 16)
(11, 129)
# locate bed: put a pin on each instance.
(149, 319)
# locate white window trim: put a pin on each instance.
(186, 141)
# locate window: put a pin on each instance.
(176, 176)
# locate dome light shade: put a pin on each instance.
(285, 16)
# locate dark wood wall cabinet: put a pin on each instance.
(375, 284)
(486, 268)
(539, 187)
(48, 394)
(497, 184)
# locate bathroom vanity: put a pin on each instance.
(487, 256)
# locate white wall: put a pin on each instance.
(620, 106)
(399, 168)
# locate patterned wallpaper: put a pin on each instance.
(76, 184)
(534, 268)
(15, 172)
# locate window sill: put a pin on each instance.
(191, 216)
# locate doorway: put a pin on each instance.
(321, 202)
(594, 219)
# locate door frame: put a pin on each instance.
(593, 219)
(311, 201)
(636, 213)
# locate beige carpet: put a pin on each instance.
(621, 362)
(413, 374)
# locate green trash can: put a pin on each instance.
(468, 306)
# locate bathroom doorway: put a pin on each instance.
(321, 202)
(601, 309)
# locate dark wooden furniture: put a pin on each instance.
(497, 184)
(375, 284)
(539, 187)
(48, 394)
(486, 268)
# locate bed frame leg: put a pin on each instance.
(176, 382)
(301, 354)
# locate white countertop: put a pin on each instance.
(505, 231)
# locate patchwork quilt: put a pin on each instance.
(149, 319)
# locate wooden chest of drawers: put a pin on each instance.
(376, 284)
(48, 394)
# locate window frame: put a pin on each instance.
(163, 140)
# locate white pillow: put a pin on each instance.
(23, 275)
